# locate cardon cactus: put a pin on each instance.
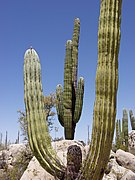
(118, 138)
(125, 129)
(39, 139)
(122, 132)
(132, 119)
(70, 100)
(104, 108)
(106, 89)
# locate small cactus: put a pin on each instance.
(132, 119)
(125, 129)
(122, 132)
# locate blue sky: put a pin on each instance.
(46, 25)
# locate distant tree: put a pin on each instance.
(49, 104)
(23, 124)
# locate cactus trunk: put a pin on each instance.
(106, 89)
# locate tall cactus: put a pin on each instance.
(39, 139)
(70, 100)
(132, 119)
(105, 102)
(106, 89)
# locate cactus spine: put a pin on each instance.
(70, 100)
(106, 89)
(132, 119)
(39, 139)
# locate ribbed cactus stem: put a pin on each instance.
(106, 90)
(39, 139)
(132, 119)
(59, 104)
(79, 100)
(125, 129)
(75, 42)
(118, 134)
(67, 95)
(70, 100)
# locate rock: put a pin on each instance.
(34, 170)
(125, 159)
(112, 155)
(131, 142)
(13, 161)
(12, 153)
(129, 176)
(118, 172)
(62, 146)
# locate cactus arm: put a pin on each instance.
(59, 104)
(79, 100)
(67, 95)
(106, 90)
(132, 119)
(75, 43)
(40, 141)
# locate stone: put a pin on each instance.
(13, 161)
(34, 170)
(125, 159)
(131, 142)
(118, 172)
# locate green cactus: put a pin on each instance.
(125, 129)
(132, 119)
(106, 90)
(70, 100)
(105, 102)
(122, 132)
(39, 139)
(118, 139)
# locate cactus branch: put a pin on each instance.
(40, 141)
